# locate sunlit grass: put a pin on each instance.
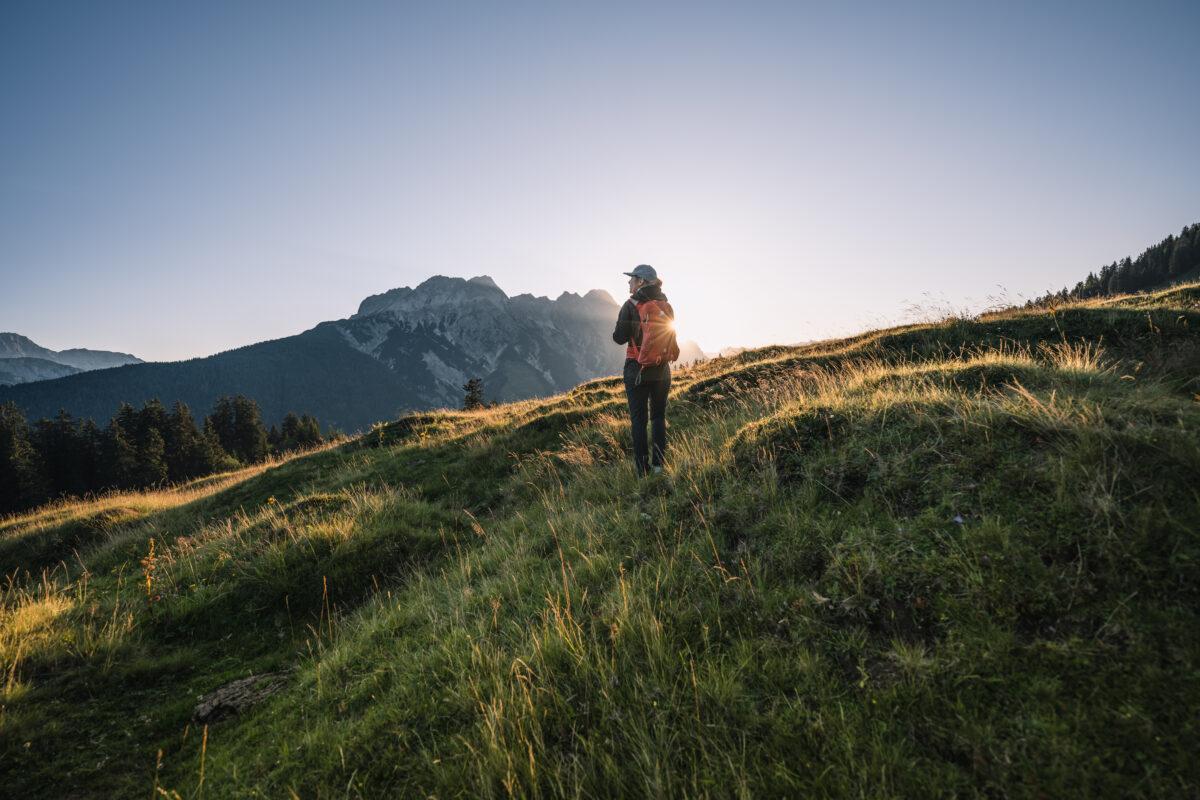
(945, 559)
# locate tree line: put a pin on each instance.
(1173, 259)
(139, 448)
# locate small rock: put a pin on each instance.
(234, 698)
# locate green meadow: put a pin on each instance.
(952, 559)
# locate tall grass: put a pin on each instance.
(953, 559)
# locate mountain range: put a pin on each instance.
(406, 349)
(23, 360)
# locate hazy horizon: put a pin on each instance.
(179, 181)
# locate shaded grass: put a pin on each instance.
(954, 559)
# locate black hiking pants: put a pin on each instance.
(650, 391)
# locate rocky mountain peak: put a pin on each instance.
(435, 293)
(485, 280)
(600, 296)
(593, 297)
(446, 330)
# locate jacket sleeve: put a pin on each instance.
(626, 321)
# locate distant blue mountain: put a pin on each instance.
(23, 361)
(407, 349)
(25, 369)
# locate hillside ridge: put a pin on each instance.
(953, 558)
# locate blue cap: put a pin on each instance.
(643, 271)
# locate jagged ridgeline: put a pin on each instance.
(954, 559)
(407, 349)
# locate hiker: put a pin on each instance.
(646, 325)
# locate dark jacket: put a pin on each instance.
(628, 331)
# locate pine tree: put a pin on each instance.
(289, 431)
(120, 459)
(22, 484)
(1181, 258)
(1117, 278)
(65, 455)
(299, 432)
(310, 431)
(152, 417)
(236, 422)
(250, 436)
(151, 458)
(222, 459)
(189, 453)
(91, 442)
(474, 394)
(222, 422)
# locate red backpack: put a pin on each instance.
(656, 321)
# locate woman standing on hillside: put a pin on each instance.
(646, 325)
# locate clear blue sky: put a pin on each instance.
(178, 179)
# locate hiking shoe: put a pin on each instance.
(658, 470)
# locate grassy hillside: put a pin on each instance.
(951, 559)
